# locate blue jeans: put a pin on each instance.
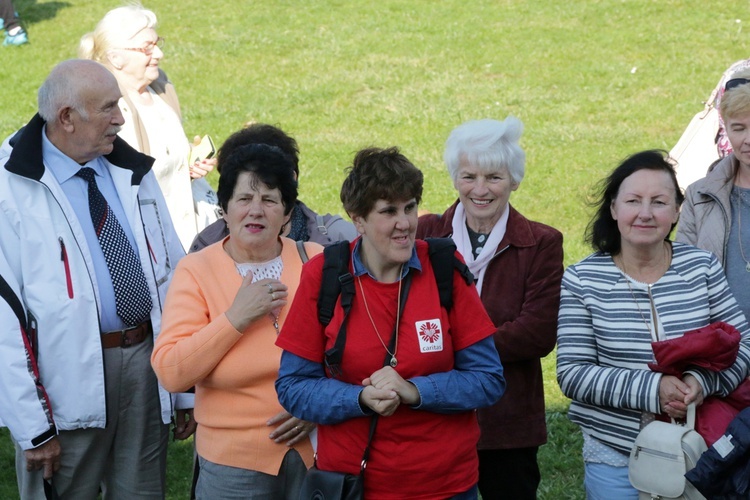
(606, 482)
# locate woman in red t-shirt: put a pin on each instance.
(440, 365)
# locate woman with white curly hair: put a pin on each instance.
(518, 265)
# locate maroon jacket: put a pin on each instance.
(522, 296)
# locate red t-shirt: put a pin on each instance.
(414, 453)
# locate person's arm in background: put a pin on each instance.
(686, 230)
(533, 334)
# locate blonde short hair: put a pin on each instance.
(125, 21)
(736, 101)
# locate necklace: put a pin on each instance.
(655, 331)
(394, 361)
(643, 317)
(739, 231)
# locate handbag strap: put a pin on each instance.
(405, 286)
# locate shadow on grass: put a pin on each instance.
(32, 12)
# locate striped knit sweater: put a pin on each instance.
(604, 343)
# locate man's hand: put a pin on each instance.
(46, 456)
(184, 424)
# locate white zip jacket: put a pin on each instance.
(47, 254)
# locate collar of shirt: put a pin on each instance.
(62, 166)
(360, 269)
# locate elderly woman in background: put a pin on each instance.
(519, 265)
(441, 364)
(637, 287)
(222, 314)
(304, 224)
(715, 206)
(126, 42)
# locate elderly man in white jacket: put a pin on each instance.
(77, 390)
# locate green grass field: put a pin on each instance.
(593, 81)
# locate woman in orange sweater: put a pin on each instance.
(222, 314)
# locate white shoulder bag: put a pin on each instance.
(662, 455)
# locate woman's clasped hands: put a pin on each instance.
(385, 390)
(675, 395)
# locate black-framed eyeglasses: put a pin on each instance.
(735, 82)
(148, 49)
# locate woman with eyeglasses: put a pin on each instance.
(716, 206)
(126, 42)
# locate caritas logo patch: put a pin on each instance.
(430, 334)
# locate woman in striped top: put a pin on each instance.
(638, 286)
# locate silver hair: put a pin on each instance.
(490, 145)
(63, 88)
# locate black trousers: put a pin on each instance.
(509, 474)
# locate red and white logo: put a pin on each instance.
(430, 334)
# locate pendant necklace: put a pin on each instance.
(394, 361)
(739, 230)
(655, 331)
(643, 317)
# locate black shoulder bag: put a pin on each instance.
(329, 485)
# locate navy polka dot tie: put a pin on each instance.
(132, 297)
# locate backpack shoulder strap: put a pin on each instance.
(320, 222)
(7, 293)
(302, 251)
(336, 280)
(442, 253)
(335, 267)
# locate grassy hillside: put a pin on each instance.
(593, 81)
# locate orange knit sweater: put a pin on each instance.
(233, 372)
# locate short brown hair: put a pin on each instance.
(379, 174)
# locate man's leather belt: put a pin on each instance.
(127, 337)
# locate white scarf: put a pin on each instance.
(478, 266)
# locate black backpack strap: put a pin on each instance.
(335, 265)
(7, 293)
(337, 280)
(442, 253)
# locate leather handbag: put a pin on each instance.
(327, 485)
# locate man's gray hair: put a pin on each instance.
(63, 88)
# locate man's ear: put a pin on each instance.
(65, 117)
